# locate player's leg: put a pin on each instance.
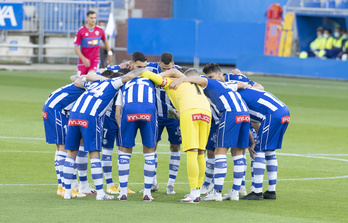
(97, 175)
(60, 159)
(148, 132)
(220, 167)
(174, 137)
(272, 169)
(109, 135)
(208, 184)
(55, 122)
(149, 171)
(127, 134)
(279, 124)
(238, 171)
(242, 191)
(190, 145)
(82, 165)
(124, 156)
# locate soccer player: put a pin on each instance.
(272, 117)
(233, 129)
(87, 42)
(172, 125)
(195, 116)
(86, 122)
(55, 116)
(136, 99)
(236, 75)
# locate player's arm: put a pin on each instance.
(155, 78)
(242, 85)
(251, 148)
(118, 111)
(172, 73)
(131, 75)
(258, 86)
(203, 82)
(80, 82)
(256, 125)
(95, 77)
(108, 49)
(85, 61)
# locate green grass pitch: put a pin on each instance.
(313, 173)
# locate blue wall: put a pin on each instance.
(210, 30)
(251, 11)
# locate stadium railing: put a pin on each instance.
(44, 19)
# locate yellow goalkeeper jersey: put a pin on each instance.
(187, 96)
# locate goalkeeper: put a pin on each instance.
(195, 120)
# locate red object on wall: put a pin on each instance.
(273, 30)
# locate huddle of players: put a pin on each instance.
(140, 104)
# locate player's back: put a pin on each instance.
(260, 103)
(224, 96)
(188, 96)
(64, 97)
(98, 97)
(138, 90)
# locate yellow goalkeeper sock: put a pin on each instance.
(201, 166)
(192, 169)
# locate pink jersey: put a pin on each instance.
(89, 41)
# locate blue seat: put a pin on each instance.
(329, 4)
(343, 4)
(313, 4)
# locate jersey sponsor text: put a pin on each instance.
(138, 117)
(78, 122)
(203, 117)
(242, 118)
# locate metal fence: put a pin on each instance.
(49, 28)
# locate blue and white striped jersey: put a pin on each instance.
(115, 68)
(224, 96)
(138, 90)
(162, 100)
(238, 77)
(64, 97)
(98, 97)
(260, 103)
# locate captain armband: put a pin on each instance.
(164, 82)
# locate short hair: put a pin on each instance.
(138, 56)
(183, 69)
(328, 30)
(107, 73)
(211, 68)
(121, 72)
(320, 29)
(191, 72)
(166, 58)
(91, 12)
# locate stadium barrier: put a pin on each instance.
(51, 26)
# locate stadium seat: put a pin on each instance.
(313, 4)
(329, 4)
(343, 4)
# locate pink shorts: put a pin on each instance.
(82, 70)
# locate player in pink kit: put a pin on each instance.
(87, 42)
